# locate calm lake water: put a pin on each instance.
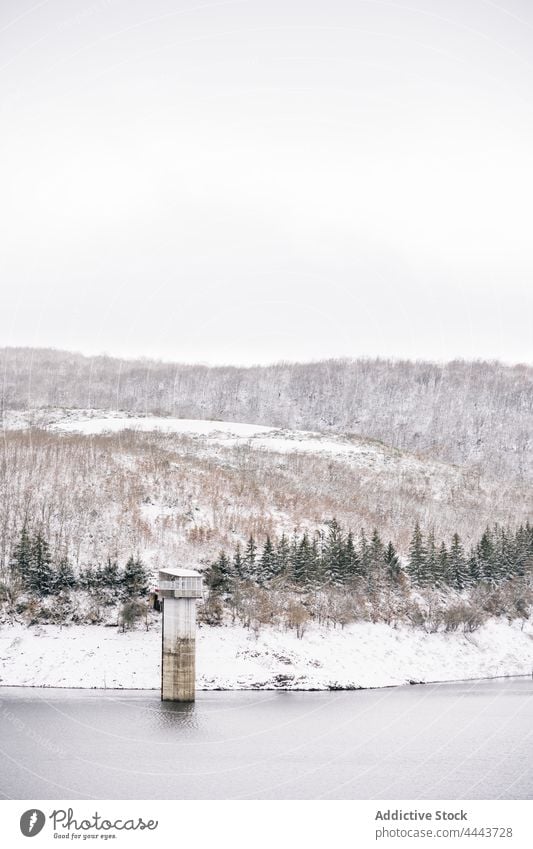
(446, 741)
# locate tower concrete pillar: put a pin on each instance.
(179, 589)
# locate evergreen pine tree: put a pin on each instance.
(86, 579)
(529, 533)
(474, 572)
(351, 558)
(457, 564)
(238, 563)
(42, 576)
(376, 556)
(521, 551)
(317, 553)
(432, 571)
(220, 575)
(293, 557)
(302, 568)
(501, 554)
(134, 579)
(507, 563)
(250, 556)
(393, 566)
(364, 554)
(99, 581)
(417, 558)
(283, 557)
(266, 567)
(443, 566)
(333, 555)
(21, 561)
(486, 557)
(314, 570)
(110, 574)
(65, 578)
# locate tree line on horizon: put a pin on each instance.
(452, 411)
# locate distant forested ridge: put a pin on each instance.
(469, 413)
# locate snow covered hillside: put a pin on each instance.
(107, 484)
(359, 655)
(104, 484)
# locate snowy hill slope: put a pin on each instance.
(175, 489)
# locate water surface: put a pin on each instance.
(445, 741)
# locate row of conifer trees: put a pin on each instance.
(335, 558)
(35, 570)
(331, 557)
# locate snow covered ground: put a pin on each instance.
(92, 422)
(231, 657)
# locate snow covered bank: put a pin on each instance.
(361, 655)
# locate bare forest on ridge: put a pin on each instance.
(476, 414)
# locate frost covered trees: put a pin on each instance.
(333, 559)
(221, 575)
(393, 564)
(32, 564)
(418, 565)
(36, 572)
(454, 410)
(333, 579)
(134, 581)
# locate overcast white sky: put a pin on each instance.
(250, 181)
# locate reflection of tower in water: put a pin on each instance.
(179, 589)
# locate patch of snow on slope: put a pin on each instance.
(193, 427)
(357, 451)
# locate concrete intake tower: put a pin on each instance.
(179, 590)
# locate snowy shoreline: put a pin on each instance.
(267, 689)
(360, 656)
